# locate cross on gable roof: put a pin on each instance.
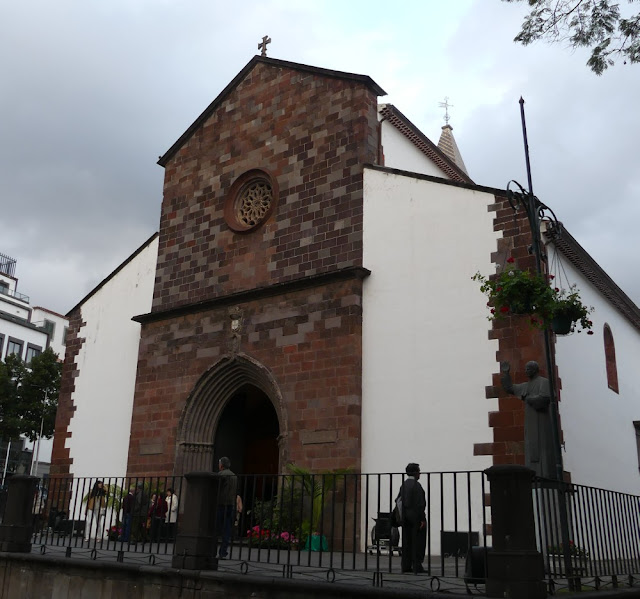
(363, 79)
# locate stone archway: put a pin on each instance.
(230, 379)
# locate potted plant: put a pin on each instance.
(569, 313)
(517, 291)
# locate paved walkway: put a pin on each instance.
(362, 569)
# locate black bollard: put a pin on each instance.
(514, 566)
(17, 525)
(196, 543)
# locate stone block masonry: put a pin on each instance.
(311, 132)
(518, 343)
(310, 342)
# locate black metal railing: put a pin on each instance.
(604, 532)
(327, 524)
(123, 515)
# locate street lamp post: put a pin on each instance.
(536, 212)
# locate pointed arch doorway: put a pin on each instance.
(235, 410)
(248, 431)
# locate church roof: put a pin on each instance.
(390, 113)
(448, 145)
(362, 79)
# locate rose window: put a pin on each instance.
(254, 203)
(251, 201)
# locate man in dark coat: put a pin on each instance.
(414, 521)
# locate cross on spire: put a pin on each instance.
(263, 45)
(446, 107)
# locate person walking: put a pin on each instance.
(414, 521)
(226, 505)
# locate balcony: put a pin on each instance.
(19, 296)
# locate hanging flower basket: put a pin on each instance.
(568, 308)
(561, 324)
(515, 291)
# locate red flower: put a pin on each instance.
(551, 277)
(510, 260)
(589, 332)
(504, 309)
(498, 288)
(493, 310)
(556, 290)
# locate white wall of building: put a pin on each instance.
(23, 332)
(107, 362)
(599, 435)
(56, 342)
(400, 153)
(426, 355)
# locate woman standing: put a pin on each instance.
(157, 513)
(172, 513)
(96, 509)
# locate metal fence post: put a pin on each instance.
(514, 566)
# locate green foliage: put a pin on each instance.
(574, 550)
(593, 24)
(29, 395)
(516, 291)
(11, 373)
(296, 511)
(569, 304)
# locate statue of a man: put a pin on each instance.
(538, 441)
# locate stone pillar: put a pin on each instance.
(514, 565)
(17, 525)
(196, 543)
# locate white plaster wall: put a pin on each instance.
(24, 334)
(107, 364)
(426, 354)
(400, 153)
(599, 435)
(38, 317)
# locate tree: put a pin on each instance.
(11, 373)
(594, 24)
(29, 395)
(39, 395)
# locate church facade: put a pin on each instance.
(312, 299)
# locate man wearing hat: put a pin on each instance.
(414, 521)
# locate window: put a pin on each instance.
(14, 346)
(610, 358)
(50, 327)
(65, 332)
(636, 425)
(32, 350)
(1, 345)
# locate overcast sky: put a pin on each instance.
(92, 92)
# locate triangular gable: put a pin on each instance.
(363, 79)
(391, 114)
